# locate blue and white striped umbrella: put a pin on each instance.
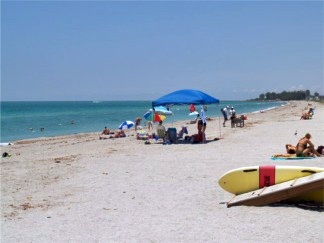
(126, 125)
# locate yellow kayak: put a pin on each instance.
(246, 179)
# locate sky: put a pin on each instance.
(142, 50)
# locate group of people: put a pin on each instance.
(228, 113)
(106, 133)
(198, 137)
(305, 148)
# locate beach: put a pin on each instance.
(79, 188)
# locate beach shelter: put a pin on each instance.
(185, 97)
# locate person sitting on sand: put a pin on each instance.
(306, 148)
(120, 134)
(199, 137)
(106, 131)
(196, 138)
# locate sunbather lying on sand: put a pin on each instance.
(118, 134)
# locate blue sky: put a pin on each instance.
(141, 50)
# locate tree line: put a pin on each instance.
(290, 95)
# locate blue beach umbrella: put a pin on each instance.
(126, 125)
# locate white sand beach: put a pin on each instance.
(81, 189)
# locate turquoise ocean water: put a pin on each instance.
(23, 120)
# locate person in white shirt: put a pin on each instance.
(225, 114)
(232, 112)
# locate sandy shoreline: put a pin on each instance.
(81, 189)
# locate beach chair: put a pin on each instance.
(172, 132)
(161, 134)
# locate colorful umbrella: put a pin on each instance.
(157, 117)
(126, 125)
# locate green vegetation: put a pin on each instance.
(290, 95)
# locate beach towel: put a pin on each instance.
(289, 157)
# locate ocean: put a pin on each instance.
(24, 120)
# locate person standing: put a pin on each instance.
(232, 113)
(204, 122)
(150, 125)
(137, 122)
(225, 114)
